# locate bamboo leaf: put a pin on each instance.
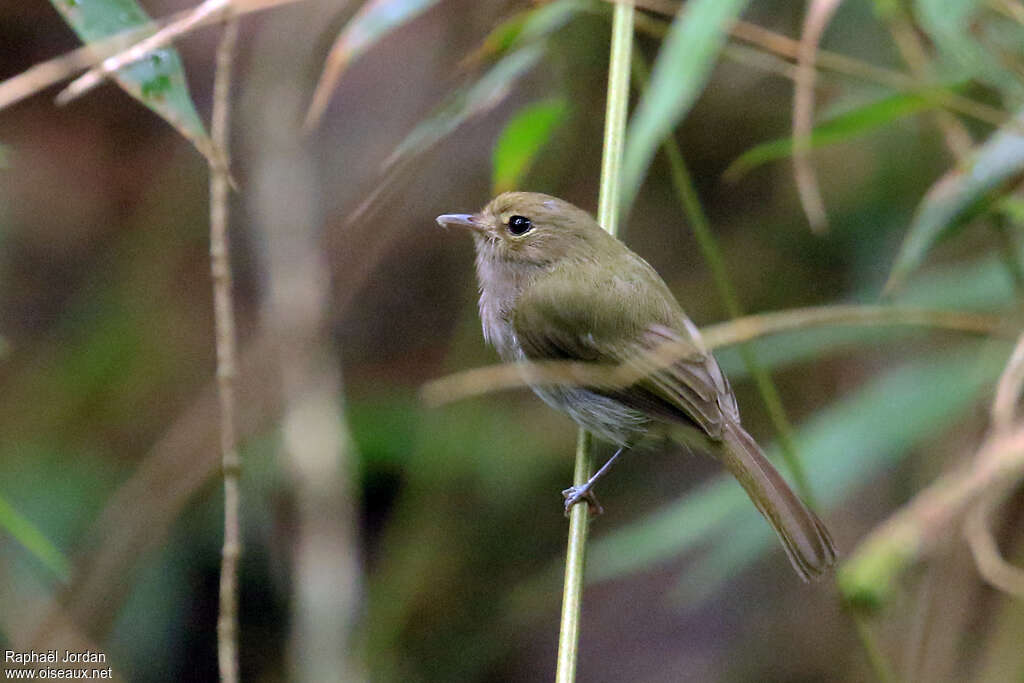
(29, 536)
(522, 138)
(974, 52)
(466, 103)
(677, 78)
(838, 129)
(960, 195)
(524, 27)
(374, 20)
(157, 81)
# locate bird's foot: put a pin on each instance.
(575, 494)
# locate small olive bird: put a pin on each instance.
(555, 286)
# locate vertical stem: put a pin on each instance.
(608, 217)
(572, 591)
(1010, 249)
(227, 354)
(615, 117)
(876, 660)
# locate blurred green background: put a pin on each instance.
(108, 423)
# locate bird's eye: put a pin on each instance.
(519, 225)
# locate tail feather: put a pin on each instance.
(804, 536)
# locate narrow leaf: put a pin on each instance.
(838, 129)
(29, 535)
(959, 195)
(523, 137)
(679, 74)
(963, 34)
(373, 21)
(158, 80)
(474, 100)
(524, 27)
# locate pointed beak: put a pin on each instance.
(462, 220)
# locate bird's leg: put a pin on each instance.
(575, 494)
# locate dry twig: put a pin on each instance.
(819, 12)
(477, 381)
(208, 11)
(1009, 389)
(992, 566)
(227, 357)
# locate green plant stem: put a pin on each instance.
(575, 554)
(1010, 249)
(682, 181)
(608, 217)
(876, 660)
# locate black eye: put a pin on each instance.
(519, 225)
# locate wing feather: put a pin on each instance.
(589, 315)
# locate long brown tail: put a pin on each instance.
(805, 538)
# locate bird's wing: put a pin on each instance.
(627, 318)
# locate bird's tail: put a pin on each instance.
(805, 538)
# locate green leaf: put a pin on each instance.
(466, 103)
(29, 535)
(844, 446)
(960, 195)
(523, 137)
(157, 80)
(373, 21)
(967, 38)
(527, 26)
(679, 74)
(842, 127)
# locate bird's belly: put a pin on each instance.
(603, 416)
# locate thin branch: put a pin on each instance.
(608, 217)
(908, 535)
(209, 10)
(990, 563)
(897, 80)
(913, 51)
(784, 46)
(227, 357)
(1008, 390)
(819, 13)
(977, 526)
(44, 74)
(462, 385)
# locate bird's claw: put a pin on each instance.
(575, 494)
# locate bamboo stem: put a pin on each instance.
(608, 217)
(227, 360)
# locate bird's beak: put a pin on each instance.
(462, 220)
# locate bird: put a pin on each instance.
(554, 285)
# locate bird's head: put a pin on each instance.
(531, 229)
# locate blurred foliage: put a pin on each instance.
(105, 307)
(834, 130)
(679, 74)
(523, 137)
(963, 193)
(158, 81)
